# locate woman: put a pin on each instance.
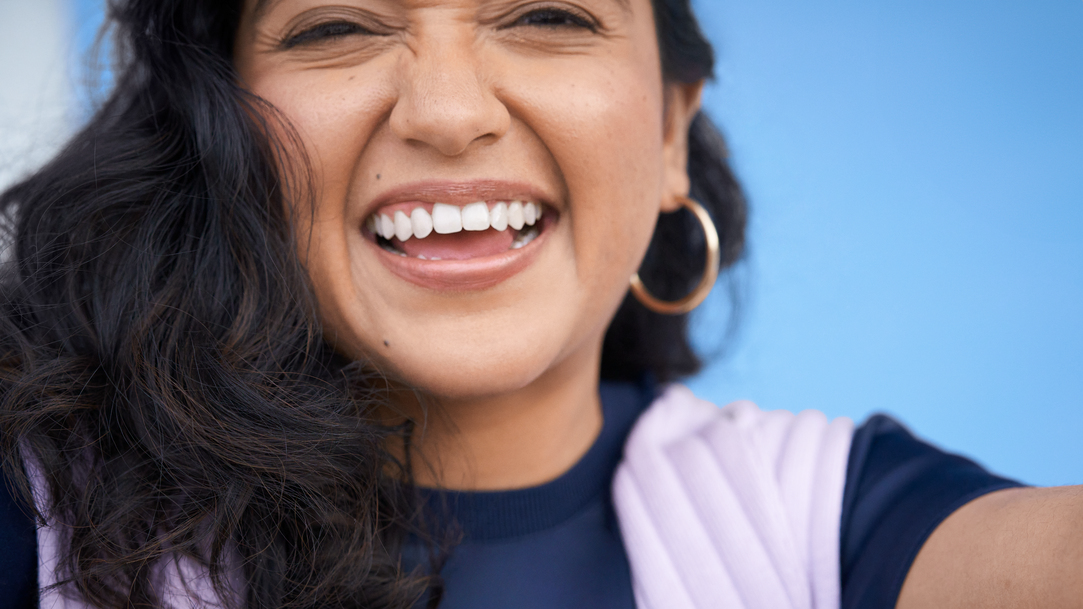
(313, 261)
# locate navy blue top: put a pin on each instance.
(558, 544)
(18, 552)
(898, 489)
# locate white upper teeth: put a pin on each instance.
(422, 222)
(515, 215)
(448, 219)
(403, 228)
(476, 217)
(498, 216)
(387, 227)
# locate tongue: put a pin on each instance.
(462, 245)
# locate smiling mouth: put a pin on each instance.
(438, 231)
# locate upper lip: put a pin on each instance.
(458, 193)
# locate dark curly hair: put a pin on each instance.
(160, 358)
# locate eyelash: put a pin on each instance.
(548, 17)
(552, 17)
(325, 31)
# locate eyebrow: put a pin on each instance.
(263, 6)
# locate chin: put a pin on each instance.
(460, 377)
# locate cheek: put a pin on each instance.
(604, 131)
(331, 117)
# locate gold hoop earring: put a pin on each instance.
(710, 273)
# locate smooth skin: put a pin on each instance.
(1020, 548)
(566, 96)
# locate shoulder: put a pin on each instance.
(745, 499)
(786, 449)
(845, 510)
(899, 489)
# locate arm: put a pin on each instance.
(1011, 548)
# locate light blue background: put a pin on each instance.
(915, 170)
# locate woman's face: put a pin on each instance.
(421, 116)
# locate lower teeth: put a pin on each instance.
(525, 236)
(389, 247)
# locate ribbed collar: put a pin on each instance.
(488, 516)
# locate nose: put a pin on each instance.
(444, 101)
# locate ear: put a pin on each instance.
(682, 104)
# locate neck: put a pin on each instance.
(513, 440)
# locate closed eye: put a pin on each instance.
(325, 32)
(553, 17)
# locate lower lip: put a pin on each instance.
(463, 275)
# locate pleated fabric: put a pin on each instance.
(732, 507)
